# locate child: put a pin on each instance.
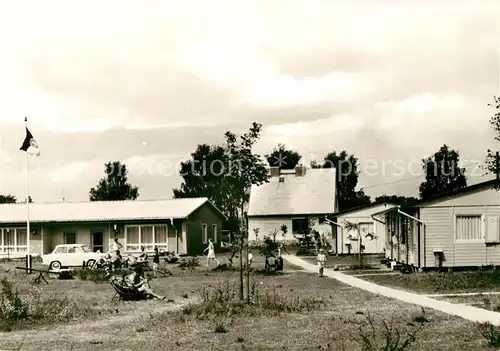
(211, 252)
(321, 261)
(156, 261)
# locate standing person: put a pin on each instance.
(116, 246)
(156, 261)
(321, 261)
(211, 252)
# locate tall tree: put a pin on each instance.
(203, 176)
(348, 174)
(245, 169)
(442, 173)
(8, 199)
(283, 158)
(491, 163)
(114, 185)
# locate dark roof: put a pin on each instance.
(478, 186)
(363, 207)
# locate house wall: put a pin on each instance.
(267, 225)
(376, 245)
(439, 218)
(206, 214)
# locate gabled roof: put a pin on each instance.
(364, 207)
(311, 193)
(97, 211)
(474, 187)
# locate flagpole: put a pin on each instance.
(28, 255)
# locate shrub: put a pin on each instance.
(490, 333)
(387, 337)
(189, 263)
(16, 310)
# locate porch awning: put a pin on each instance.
(387, 210)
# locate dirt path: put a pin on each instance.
(92, 331)
(471, 313)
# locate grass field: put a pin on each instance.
(434, 283)
(293, 311)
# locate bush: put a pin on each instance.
(16, 310)
(490, 333)
(189, 263)
(386, 337)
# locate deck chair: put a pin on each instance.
(125, 291)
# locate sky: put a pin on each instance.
(144, 82)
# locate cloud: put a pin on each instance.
(97, 79)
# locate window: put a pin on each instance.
(300, 225)
(214, 232)
(61, 250)
(13, 240)
(72, 250)
(70, 238)
(468, 227)
(204, 233)
(148, 236)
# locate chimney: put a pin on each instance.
(300, 171)
(274, 171)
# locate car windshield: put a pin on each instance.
(85, 248)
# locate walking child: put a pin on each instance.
(321, 261)
(211, 252)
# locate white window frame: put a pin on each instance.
(7, 249)
(204, 233)
(132, 247)
(483, 228)
(214, 232)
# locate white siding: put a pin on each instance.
(377, 245)
(441, 232)
(267, 225)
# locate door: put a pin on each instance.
(172, 240)
(181, 240)
(97, 241)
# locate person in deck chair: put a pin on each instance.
(141, 283)
(321, 261)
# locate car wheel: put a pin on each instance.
(55, 265)
(90, 263)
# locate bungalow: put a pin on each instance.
(455, 229)
(373, 233)
(297, 199)
(180, 225)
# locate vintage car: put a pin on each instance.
(71, 255)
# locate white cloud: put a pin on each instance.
(286, 90)
(69, 172)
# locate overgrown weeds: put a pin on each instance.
(221, 304)
(387, 337)
(17, 311)
(94, 275)
(189, 263)
(490, 333)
